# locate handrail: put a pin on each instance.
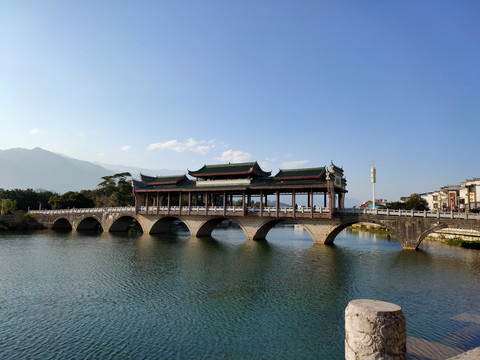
(410, 213)
(269, 210)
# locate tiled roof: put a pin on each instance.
(162, 180)
(224, 170)
(230, 177)
(297, 174)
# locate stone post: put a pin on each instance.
(374, 330)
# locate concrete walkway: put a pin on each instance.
(473, 354)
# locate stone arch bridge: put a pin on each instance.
(409, 227)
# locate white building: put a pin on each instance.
(462, 197)
(471, 193)
(434, 200)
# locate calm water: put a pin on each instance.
(104, 296)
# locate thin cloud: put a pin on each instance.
(293, 164)
(234, 156)
(267, 163)
(36, 131)
(193, 145)
(202, 149)
(126, 147)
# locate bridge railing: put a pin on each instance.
(284, 210)
(232, 209)
(411, 213)
(85, 210)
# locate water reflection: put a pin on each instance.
(169, 296)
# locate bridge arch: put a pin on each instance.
(90, 223)
(61, 223)
(207, 227)
(335, 230)
(440, 226)
(164, 224)
(263, 230)
(122, 224)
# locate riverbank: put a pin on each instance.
(371, 228)
(467, 244)
(19, 221)
(468, 239)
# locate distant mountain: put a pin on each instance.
(135, 171)
(41, 169)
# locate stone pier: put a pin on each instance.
(375, 330)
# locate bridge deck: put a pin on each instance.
(300, 211)
(412, 213)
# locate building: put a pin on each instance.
(434, 199)
(378, 202)
(462, 197)
(241, 184)
(471, 193)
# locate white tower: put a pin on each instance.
(374, 180)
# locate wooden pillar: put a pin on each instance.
(168, 203)
(189, 202)
(311, 202)
(293, 202)
(158, 204)
(146, 203)
(324, 199)
(249, 202)
(278, 203)
(180, 203)
(261, 203)
(243, 203)
(136, 204)
(224, 203)
(206, 202)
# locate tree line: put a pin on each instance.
(414, 202)
(114, 190)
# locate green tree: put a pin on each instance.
(416, 202)
(114, 190)
(27, 199)
(8, 206)
(69, 200)
(396, 205)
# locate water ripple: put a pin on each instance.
(105, 297)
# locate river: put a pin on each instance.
(117, 296)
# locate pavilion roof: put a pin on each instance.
(163, 180)
(225, 170)
(236, 177)
(300, 174)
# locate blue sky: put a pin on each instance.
(180, 84)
